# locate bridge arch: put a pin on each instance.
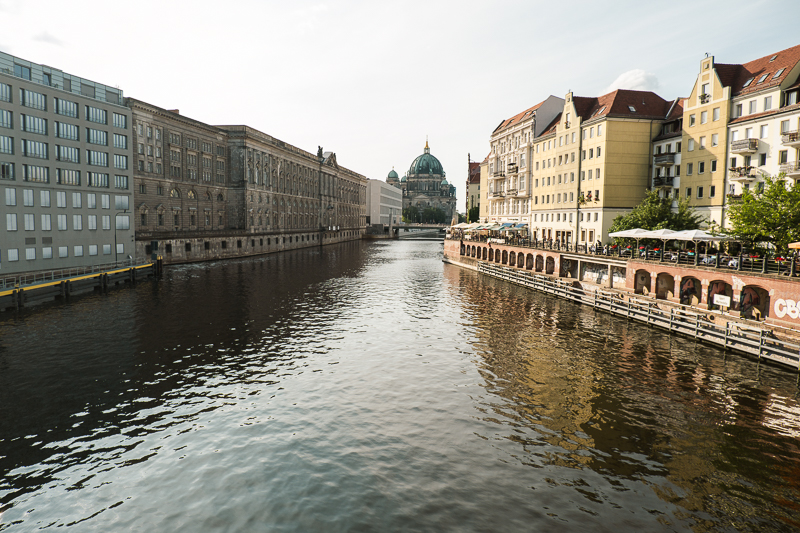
(505, 257)
(539, 263)
(512, 258)
(550, 266)
(491, 254)
(529, 262)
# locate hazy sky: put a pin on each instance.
(370, 79)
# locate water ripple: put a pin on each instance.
(370, 387)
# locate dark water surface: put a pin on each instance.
(370, 387)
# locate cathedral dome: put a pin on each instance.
(403, 179)
(392, 175)
(444, 182)
(426, 164)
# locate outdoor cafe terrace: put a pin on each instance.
(702, 254)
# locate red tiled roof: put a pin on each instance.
(622, 103)
(516, 118)
(677, 110)
(474, 173)
(735, 76)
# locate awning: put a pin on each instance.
(506, 224)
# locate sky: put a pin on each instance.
(371, 80)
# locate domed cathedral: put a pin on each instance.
(393, 179)
(425, 185)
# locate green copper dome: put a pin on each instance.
(403, 178)
(392, 174)
(444, 182)
(426, 164)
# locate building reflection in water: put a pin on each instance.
(581, 389)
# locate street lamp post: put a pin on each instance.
(116, 224)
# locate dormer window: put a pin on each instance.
(602, 109)
(778, 73)
(762, 78)
(748, 82)
(633, 109)
(773, 58)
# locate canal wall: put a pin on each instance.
(196, 247)
(23, 295)
(763, 300)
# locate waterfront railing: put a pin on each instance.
(789, 266)
(759, 342)
(43, 276)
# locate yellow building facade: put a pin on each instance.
(704, 142)
(593, 164)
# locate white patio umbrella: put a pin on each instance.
(663, 235)
(697, 235)
(636, 233)
(629, 233)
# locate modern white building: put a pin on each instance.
(65, 170)
(384, 202)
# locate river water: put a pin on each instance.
(370, 387)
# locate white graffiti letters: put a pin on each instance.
(786, 307)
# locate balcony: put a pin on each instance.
(744, 146)
(791, 168)
(791, 138)
(664, 160)
(498, 174)
(511, 192)
(663, 181)
(522, 193)
(497, 194)
(512, 168)
(742, 173)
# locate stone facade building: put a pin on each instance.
(208, 192)
(425, 185)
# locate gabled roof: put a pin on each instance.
(474, 172)
(675, 109)
(766, 68)
(516, 119)
(622, 103)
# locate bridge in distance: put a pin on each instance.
(421, 231)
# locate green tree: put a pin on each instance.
(411, 214)
(473, 214)
(769, 215)
(656, 213)
(433, 215)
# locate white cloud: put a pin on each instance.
(636, 79)
(49, 38)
